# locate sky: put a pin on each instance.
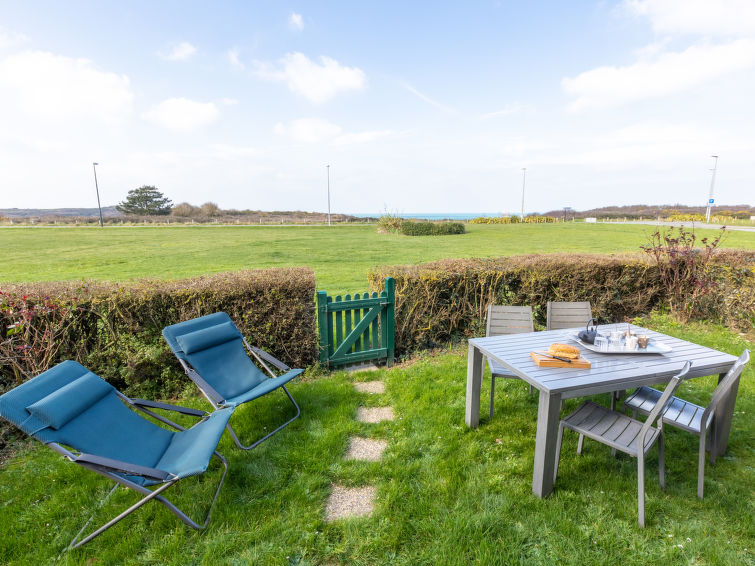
(416, 106)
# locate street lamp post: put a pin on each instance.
(524, 173)
(328, 168)
(97, 188)
(712, 186)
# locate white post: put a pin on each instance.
(524, 173)
(712, 186)
(328, 167)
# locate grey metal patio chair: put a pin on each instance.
(567, 314)
(506, 319)
(693, 418)
(82, 417)
(623, 433)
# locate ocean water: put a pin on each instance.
(433, 215)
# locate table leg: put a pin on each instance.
(474, 384)
(548, 410)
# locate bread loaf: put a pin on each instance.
(564, 351)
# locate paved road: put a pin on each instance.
(686, 224)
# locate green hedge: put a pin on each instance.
(513, 220)
(114, 328)
(412, 228)
(439, 301)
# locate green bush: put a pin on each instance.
(412, 228)
(389, 224)
(439, 301)
(115, 328)
(535, 219)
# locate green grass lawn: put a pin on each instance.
(340, 256)
(446, 494)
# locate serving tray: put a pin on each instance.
(652, 348)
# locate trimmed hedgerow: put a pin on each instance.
(412, 228)
(439, 301)
(115, 328)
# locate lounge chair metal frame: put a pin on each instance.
(217, 400)
(106, 468)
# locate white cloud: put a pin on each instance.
(296, 22)
(667, 74)
(229, 101)
(233, 57)
(316, 82)
(230, 152)
(179, 52)
(182, 114)
(9, 38)
(308, 130)
(427, 99)
(698, 17)
(362, 137)
(509, 109)
(57, 88)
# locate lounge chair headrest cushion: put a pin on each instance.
(62, 405)
(208, 337)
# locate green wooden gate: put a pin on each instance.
(357, 329)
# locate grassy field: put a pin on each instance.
(445, 494)
(340, 256)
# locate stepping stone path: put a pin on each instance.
(367, 449)
(345, 502)
(374, 414)
(370, 387)
(349, 502)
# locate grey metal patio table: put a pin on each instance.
(609, 372)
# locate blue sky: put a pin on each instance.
(417, 106)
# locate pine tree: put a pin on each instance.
(145, 201)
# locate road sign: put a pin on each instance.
(711, 200)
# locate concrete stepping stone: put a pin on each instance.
(345, 502)
(374, 414)
(366, 449)
(370, 386)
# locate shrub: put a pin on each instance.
(115, 328)
(534, 219)
(439, 301)
(412, 228)
(389, 224)
(684, 268)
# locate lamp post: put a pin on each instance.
(711, 200)
(524, 173)
(328, 168)
(97, 188)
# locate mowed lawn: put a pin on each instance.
(446, 495)
(339, 255)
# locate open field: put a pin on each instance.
(445, 494)
(340, 255)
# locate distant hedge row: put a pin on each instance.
(412, 228)
(513, 220)
(114, 328)
(442, 300)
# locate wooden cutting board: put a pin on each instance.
(546, 362)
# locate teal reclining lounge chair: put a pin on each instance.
(211, 351)
(84, 418)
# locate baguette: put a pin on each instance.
(564, 351)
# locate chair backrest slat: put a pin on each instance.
(508, 319)
(665, 399)
(728, 384)
(568, 314)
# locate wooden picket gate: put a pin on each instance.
(357, 329)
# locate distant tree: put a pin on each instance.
(210, 209)
(184, 210)
(146, 201)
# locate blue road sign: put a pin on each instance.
(711, 200)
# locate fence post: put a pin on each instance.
(390, 290)
(322, 322)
